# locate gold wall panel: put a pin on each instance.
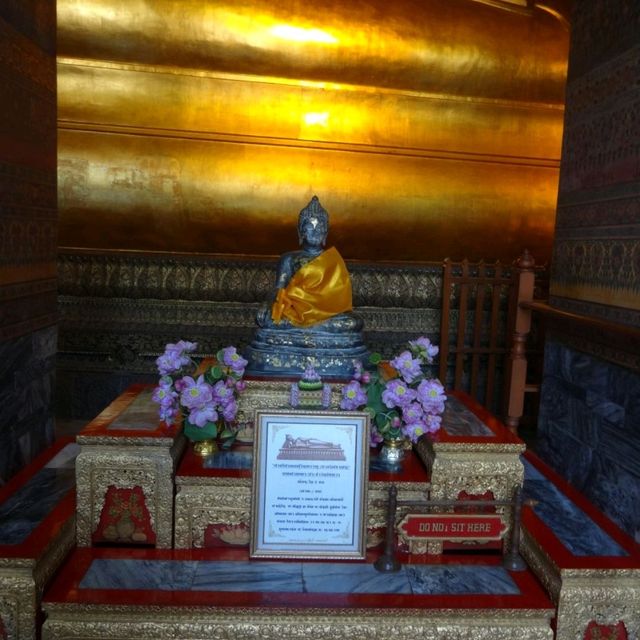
(161, 193)
(287, 111)
(430, 128)
(448, 47)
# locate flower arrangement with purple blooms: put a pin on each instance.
(405, 404)
(203, 401)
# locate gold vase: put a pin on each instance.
(204, 448)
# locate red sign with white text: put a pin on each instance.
(451, 526)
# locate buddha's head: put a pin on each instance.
(313, 224)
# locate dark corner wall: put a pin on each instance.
(28, 221)
(589, 426)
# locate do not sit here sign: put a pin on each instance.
(452, 527)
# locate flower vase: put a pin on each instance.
(204, 448)
(203, 438)
(392, 451)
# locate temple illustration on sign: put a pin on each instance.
(309, 449)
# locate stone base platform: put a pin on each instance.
(125, 593)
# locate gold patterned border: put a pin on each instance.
(191, 623)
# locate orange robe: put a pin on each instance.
(318, 291)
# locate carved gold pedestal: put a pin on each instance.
(22, 582)
(124, 474)
(473, 457)
(588, 597)
(274, 394)
(469, 470)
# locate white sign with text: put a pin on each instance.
(309, 484)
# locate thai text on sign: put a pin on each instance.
(453, 527)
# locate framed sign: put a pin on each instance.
(310, 474)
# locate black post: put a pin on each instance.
(388, 562)
(512, 560)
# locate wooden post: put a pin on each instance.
(517, 369)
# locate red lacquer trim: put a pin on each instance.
(557, 551)
(99, 426)
(595, 631)
(125, 517)
(66, 588)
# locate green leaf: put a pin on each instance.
(196, 434)
(226, 433)
(216, 373)
(227, 443)
(374, 397)
(381, 420)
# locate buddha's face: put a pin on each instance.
(312, 233)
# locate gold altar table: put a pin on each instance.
(127, 462)
(129, 466)
(213, 497)
(472, 456)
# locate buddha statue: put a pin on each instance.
(308, 319)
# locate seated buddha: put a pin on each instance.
(308, 320)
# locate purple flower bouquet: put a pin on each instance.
(402, 400)
(206, 403)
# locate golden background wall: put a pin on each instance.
(428, 128)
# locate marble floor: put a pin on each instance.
(571, 525)
(27, 507)
(296, 577)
